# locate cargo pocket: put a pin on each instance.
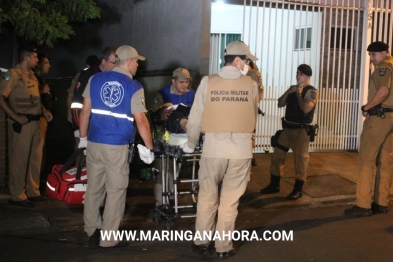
(120, 167)
(122, 181)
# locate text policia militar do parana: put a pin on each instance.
(229, 95)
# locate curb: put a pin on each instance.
(279, 203)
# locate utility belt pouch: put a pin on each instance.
(130, 153)
(376, 111)
(16, 127)
(274, 139)
(312, 131)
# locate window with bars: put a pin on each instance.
(342, 38)
(218, 42)
(303, 38)
(225, 40)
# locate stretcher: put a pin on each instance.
(173, 206)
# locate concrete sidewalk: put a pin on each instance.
(331, 180)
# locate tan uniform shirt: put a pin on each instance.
(225, 145)
(382, 76)
(21, 89)
(257, 77)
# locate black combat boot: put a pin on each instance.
(297, 190)
(94, 240)
(203, 250)
(273, 187)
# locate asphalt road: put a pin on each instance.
(318, 234)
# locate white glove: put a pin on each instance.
(76, 133)
(82, 142)
(186, 148)
(145, 154)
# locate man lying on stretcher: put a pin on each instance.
(177, 99)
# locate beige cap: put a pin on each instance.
(239, 48)
(181, 73)
(127, 52)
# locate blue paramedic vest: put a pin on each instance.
(186, 99)
(111, 119)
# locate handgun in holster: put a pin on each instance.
(312, 131)
(131, 148)
(16, 127)
(376, 110)
(260, 112)
(130, 153)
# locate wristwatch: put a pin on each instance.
(363, 110)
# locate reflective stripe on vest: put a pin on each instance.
(109, 113)
(76, 105)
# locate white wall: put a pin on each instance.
(226, 19)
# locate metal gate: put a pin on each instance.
(329, 35)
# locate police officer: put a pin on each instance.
(255, 75)
(300, 101)
(23, 108)
(114, 101)
(227, 151)
(42, 69)
(376, 138)
(47, 101)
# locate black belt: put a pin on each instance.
(379, 111)
(32, 117)
(293, 126)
